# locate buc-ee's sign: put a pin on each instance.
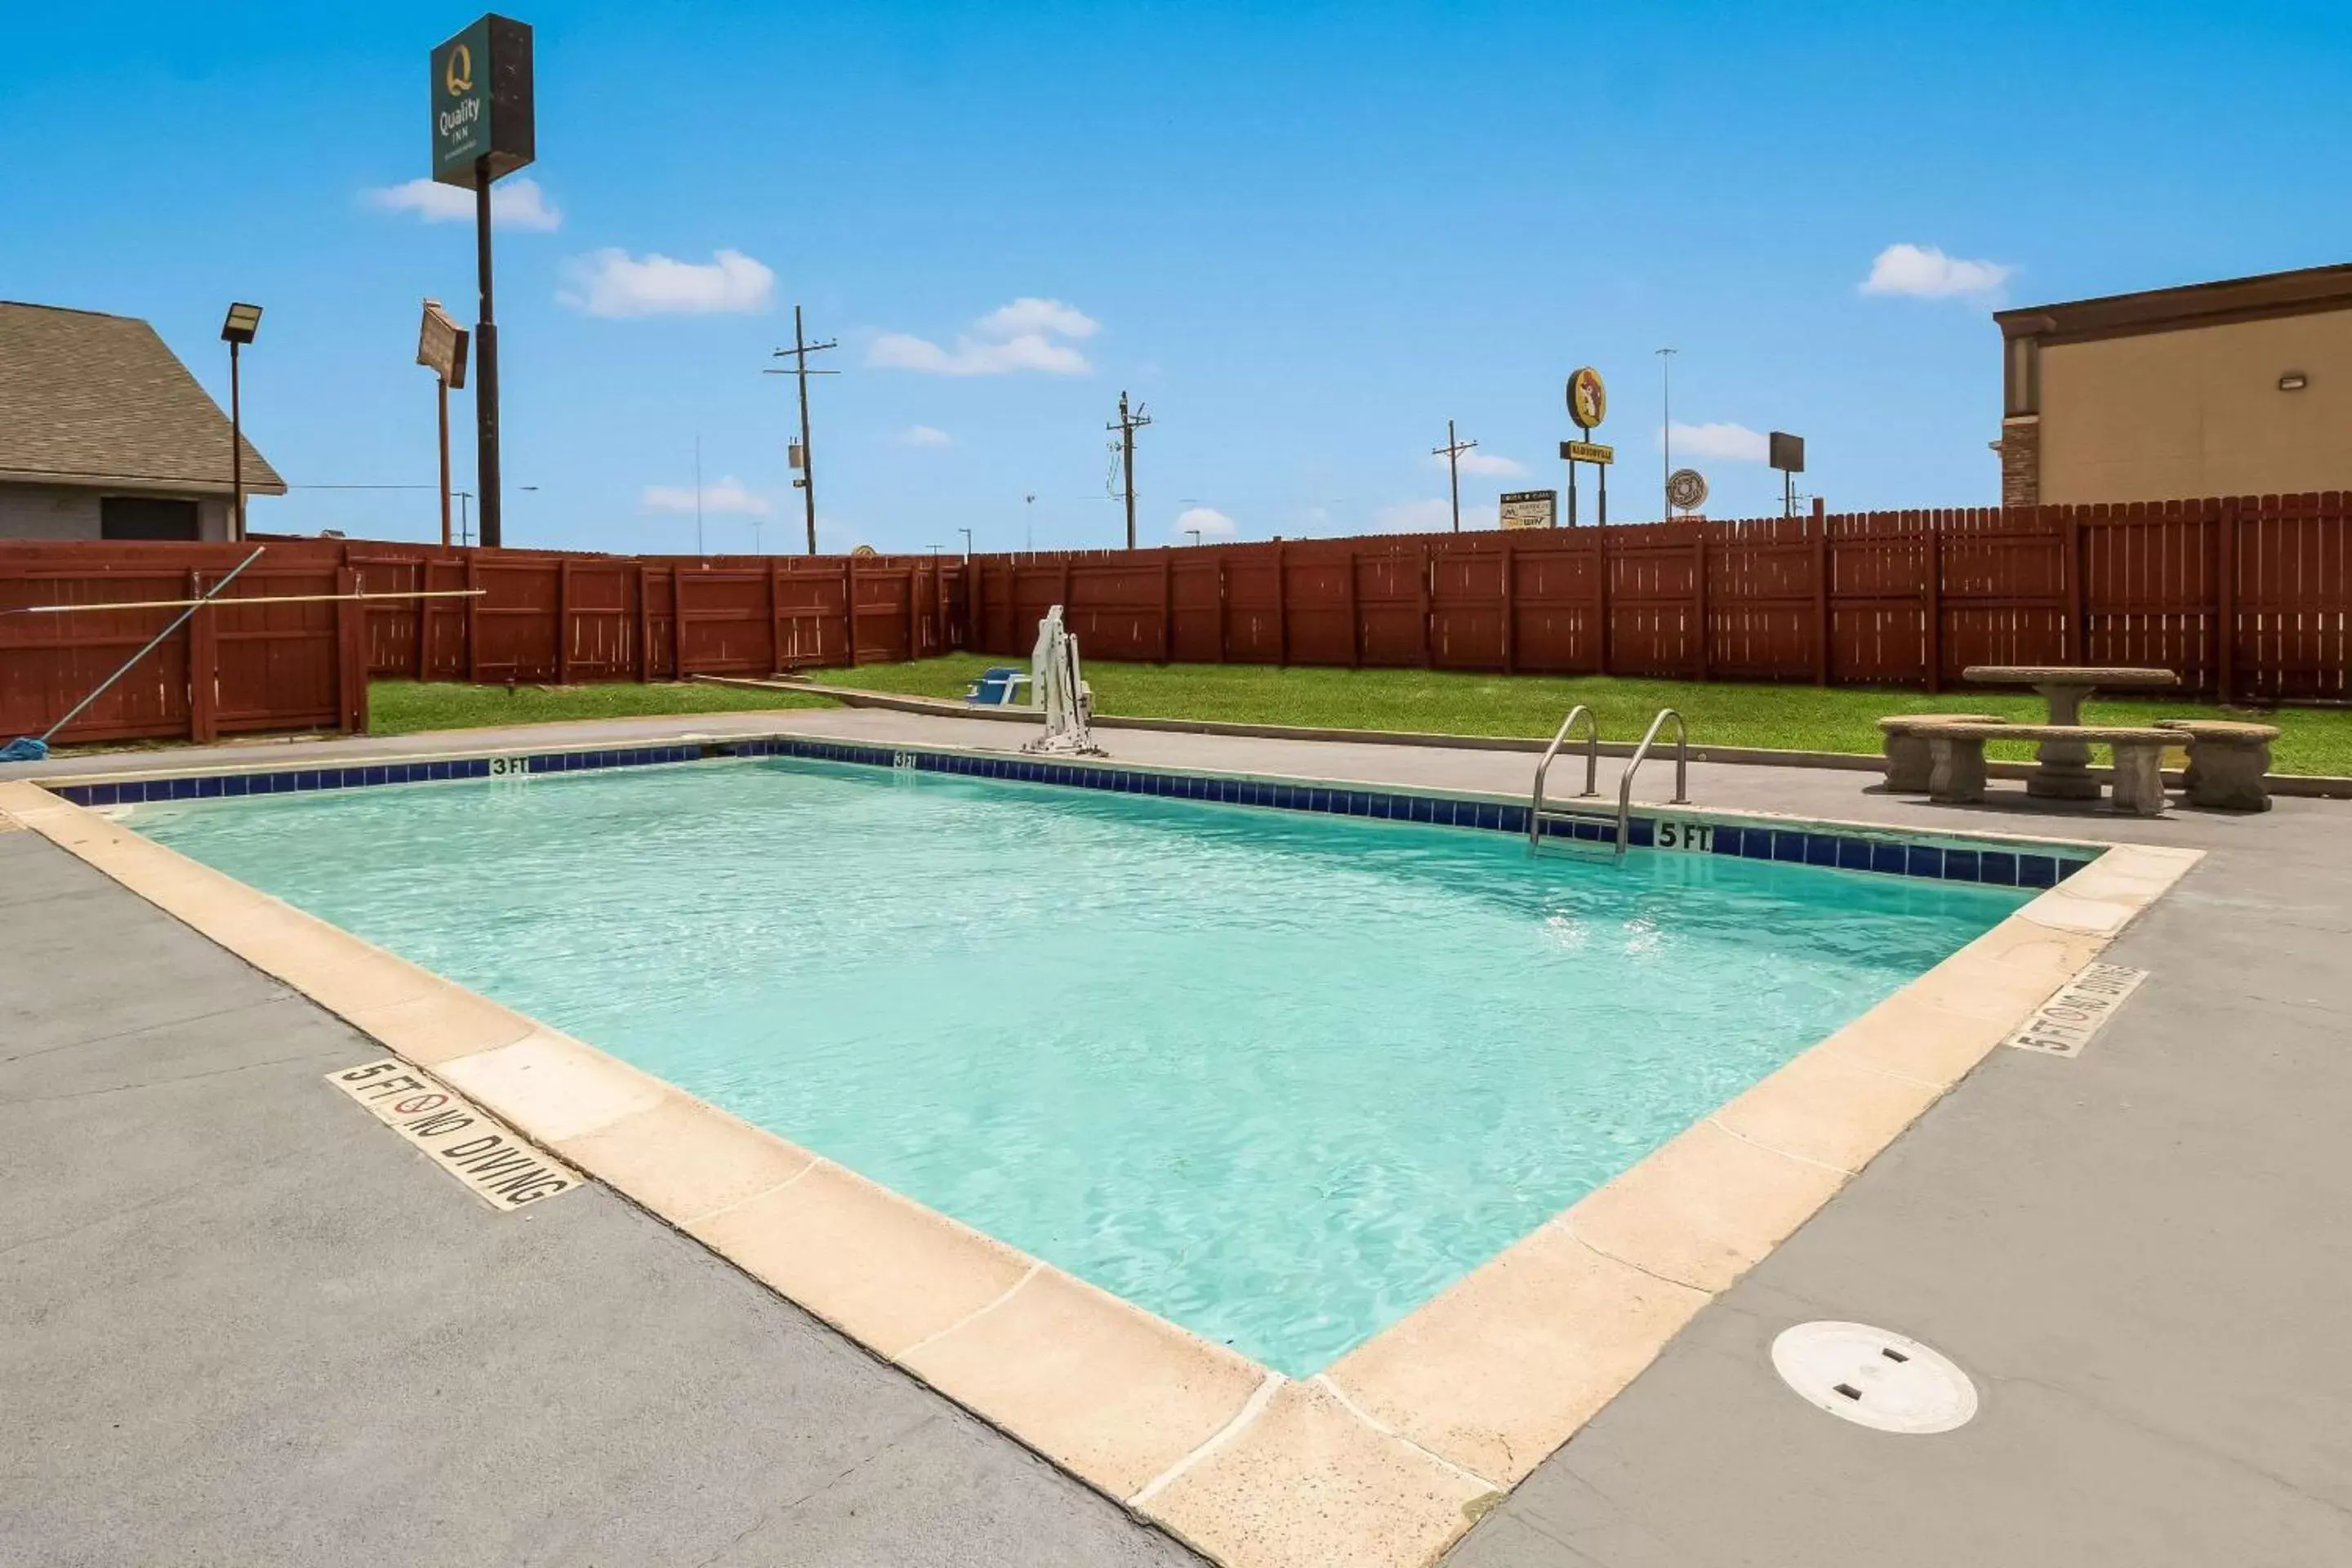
(482, 102)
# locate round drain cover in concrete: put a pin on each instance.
(1875, 1377)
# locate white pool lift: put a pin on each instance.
(1060, 692)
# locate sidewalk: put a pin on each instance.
(2137, 1254)
(240, 1321)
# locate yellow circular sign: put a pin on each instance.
(1588, 399)
(458, 78)
(865, 552)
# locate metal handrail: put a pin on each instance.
(1591, 763)
(1682, 772)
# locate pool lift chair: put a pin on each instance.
(1061, 693)
(1563, 820)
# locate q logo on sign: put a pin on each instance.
(458, 78)
(1588, 399)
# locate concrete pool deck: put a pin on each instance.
(1535, 1513)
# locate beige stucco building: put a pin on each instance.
(2241, 387)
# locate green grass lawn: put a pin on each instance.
(405, 707)
(1793, 717)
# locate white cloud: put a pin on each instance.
(1923, 272)
(1030, 351)
(924, 436)
(728, 497)
(516, 203)
(1213, 525)
(614, 283)
(1016, 337)
(1030, 314)
(1476, 462)
(1725, 442)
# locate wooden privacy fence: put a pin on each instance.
(2250, 599)
(540, 618)
(2247, 597)
(229, 669)
(567, 618)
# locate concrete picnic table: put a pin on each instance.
(2063, 770)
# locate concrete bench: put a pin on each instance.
(1956, 766)
(2227, 761)
(1906, 744)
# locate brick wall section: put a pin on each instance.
(2021, 460)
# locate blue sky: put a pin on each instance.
(1303, 235)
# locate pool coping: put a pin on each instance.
(1384, 1456)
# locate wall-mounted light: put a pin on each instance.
(2293, 380)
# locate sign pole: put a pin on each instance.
(444, 387)
(235, 450)
(486, 366)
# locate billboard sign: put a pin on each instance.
(1530, 509)
(482, 102)
(441, 346)
(1788, 452)
(1588, 399)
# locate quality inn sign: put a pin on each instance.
(482, 102)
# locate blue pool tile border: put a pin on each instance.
(2017, 866)
(293, 780)
(1804, 846)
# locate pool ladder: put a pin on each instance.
(1592, 765)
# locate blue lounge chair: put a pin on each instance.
(999, 686)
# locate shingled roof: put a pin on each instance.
(90, 399)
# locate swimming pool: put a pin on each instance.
(1277, 1078)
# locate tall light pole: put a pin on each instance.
(1028, 517)
(1451, 452)
(967, 541)
(1666, 431)
(238, 330)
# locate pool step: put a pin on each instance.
(1576, 831)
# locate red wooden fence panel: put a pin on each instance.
(2250, 597)
(228, 669)
(1909, 598)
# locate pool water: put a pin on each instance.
(1279, 1077)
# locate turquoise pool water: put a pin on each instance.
(1279, 1077)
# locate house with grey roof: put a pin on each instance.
(105, 435)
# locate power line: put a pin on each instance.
(1127, 426)
(798, 353)
(1451, 452)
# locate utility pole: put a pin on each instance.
(1451, 452)
(1128, 424)
(799, 351)
(698, 494)
(1666, 432)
